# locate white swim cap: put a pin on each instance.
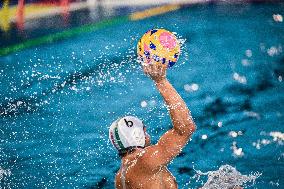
(127, 132)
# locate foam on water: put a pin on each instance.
(226, 177)
(274, 137)
(4, 174)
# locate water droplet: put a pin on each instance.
(204, 137)
(191, 88)
(248, 53)
(277, 17)
(143, 104)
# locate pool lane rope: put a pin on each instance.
(87, 28)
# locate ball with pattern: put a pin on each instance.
(158, 46)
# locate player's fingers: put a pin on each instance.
(166, 64)
(164, 68)
(158, 68)
(153, 67)
(145, 68)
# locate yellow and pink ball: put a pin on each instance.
(158, 46)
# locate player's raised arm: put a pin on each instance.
(172, 142)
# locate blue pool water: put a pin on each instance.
(58, 100)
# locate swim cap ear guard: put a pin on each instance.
(126, 133)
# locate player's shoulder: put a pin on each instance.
(148, 157)
(117, 180)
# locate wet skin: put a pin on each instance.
(146, 167)
(138, 176)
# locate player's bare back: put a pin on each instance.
(139, 177)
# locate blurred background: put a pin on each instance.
(26, 19)
(68, 69)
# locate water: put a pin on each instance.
(58, 100)
(226, 177)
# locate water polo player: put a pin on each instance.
(144, 165)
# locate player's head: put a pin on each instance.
(128, 133)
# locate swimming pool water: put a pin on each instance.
(58, 100)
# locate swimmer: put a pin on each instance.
(144, 166)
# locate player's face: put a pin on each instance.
(147, 138)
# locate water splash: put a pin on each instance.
(239, 78)
(4, 174)
(226, 177)
(277, 17)
(191, 87)
(277, 138)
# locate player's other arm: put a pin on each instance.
(172, 142)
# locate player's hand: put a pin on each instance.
(156, 71)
